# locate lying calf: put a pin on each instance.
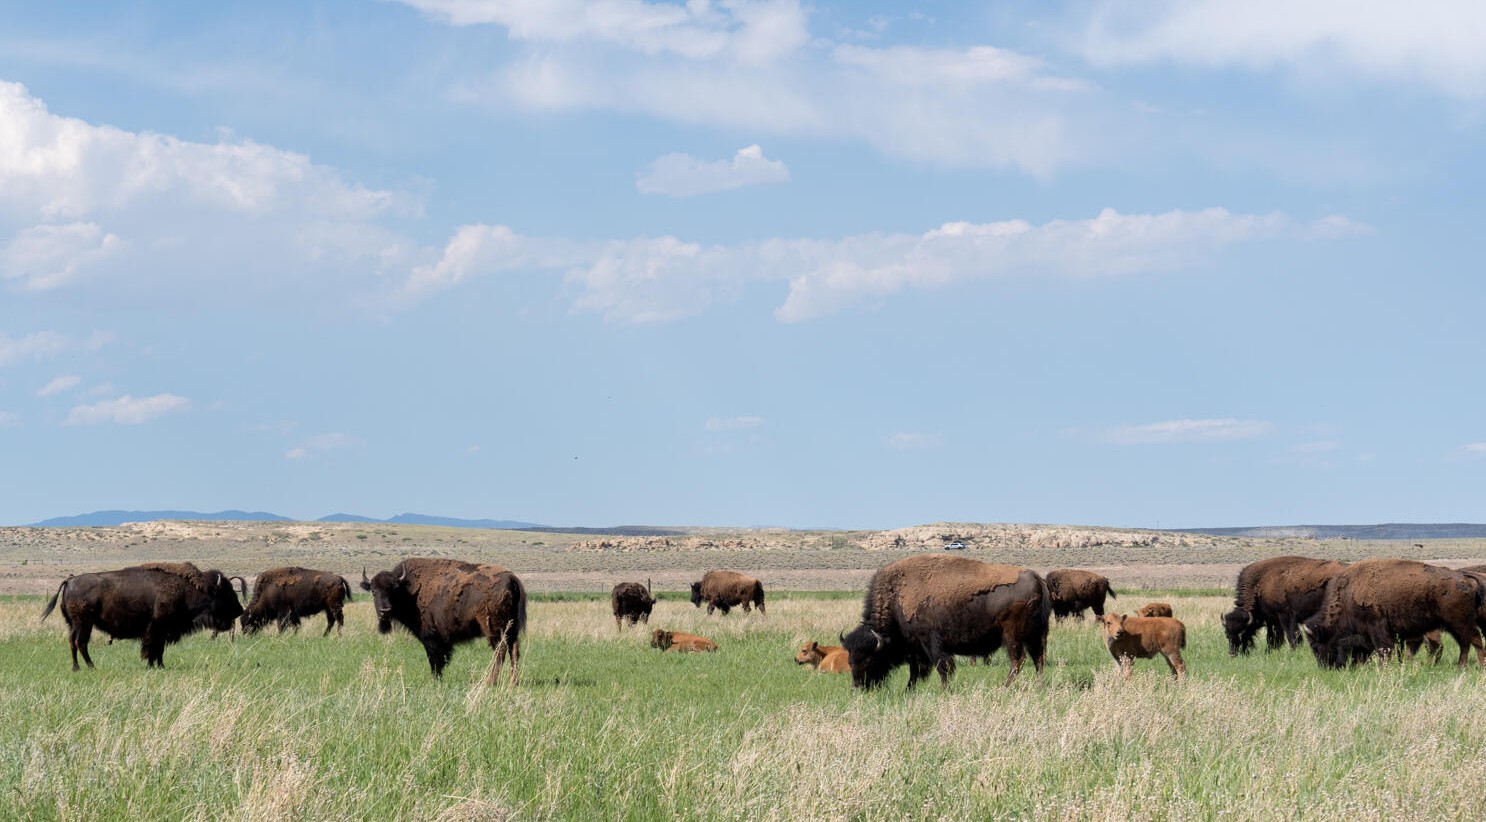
(1151, 609)
(831, 659)
(679, 642)
(1132, 638)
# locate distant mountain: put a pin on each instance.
(104, 518)
(1388, 530)
(425, 519)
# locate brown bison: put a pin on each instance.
(1276, 594)
(831, 659)
(1073, 590)
(924, 610)
(1132, 638)
(443, 602)
(680, 643)
(1373, 605)
(284, 595)
(156, 603)
(723, 590)
(631, 601)
(1154, 609)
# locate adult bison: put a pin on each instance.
(1073, 590)
(924, 610)
(723, 590)
(1374, 604)
(631, 601)
(284, 595)
(157, 604)
(1276, 594)
(443, 602)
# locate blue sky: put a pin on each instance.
(745, 262)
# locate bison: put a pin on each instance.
(722, 590)
(631, 601)
(1373, 605)
(923, 610)
(1154, 609)
(1276, 594)
(680, 643)
(1073, 590)
(444, 602)
(284, 595)
(1132, 638)
(831, 659)
(157, 604)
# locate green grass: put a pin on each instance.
(603, 727)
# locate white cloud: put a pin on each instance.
(651, 280)
(682, 175)
(127, 410)
(732, 423)
(914, 440)
(1475, 449)
(58, 385)
(37, 346)
(98, 202)
(1175, 431)
(321, 442)
(1439, 45)
(748, 31)
(1316, 447)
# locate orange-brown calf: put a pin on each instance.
(835, 662)
(1132, 638)
(680, 642)
(1151, 609)
(812, 652)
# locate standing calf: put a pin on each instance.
(1132, 638)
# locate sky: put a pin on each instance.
(745, 262)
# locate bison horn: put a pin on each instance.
(404, 577)
(364, 580)
(880, 640)
(841, 637)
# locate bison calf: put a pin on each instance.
(831, 659)
(1153, 609)
(1132, 638)
(680, 643)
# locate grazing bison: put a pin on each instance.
(1132, 638)
(1073, 590)
(723, 590)
(1154, 609)
(156, 603)
(443, 602)
(925, 609)
(680, 643)
(1374, 604)
(284, 595)
(1276, 594)
(631, 601)
(831, 659)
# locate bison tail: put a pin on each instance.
(1109, 589)
(346, 589)
(758, 596)
(520, 591)
(52, 603)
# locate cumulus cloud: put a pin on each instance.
(1475, 449)
(914, 440)
(127, 410)
(1437, 45)
(58, 385)
(1176, 431)
(320, 443)
(85, 201)
(682, 175)
(37, 346)
(732, 423)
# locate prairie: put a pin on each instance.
(308, 728)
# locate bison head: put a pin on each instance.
(696, 594)
(1114, 626)
(809, 653)
(1240, 626)
(252, 622)
(660, 639)
(872, 656)
(392, 597)
(223, 606)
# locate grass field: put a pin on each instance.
(602, 727)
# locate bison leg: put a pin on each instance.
(438, 656)
(747, 607)
(1176, 664)
(1272, 636)
(946, 668)
(80, 634)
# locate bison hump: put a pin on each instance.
(923, 582)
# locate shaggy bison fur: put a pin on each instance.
(631, 601)
(724, 590)
(444, 602)
(1373, 605)
(1074, 590)
(1276, 594)
(923, 610)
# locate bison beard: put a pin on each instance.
(446, 602)
(924, 610)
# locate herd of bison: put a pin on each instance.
(922, 611)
